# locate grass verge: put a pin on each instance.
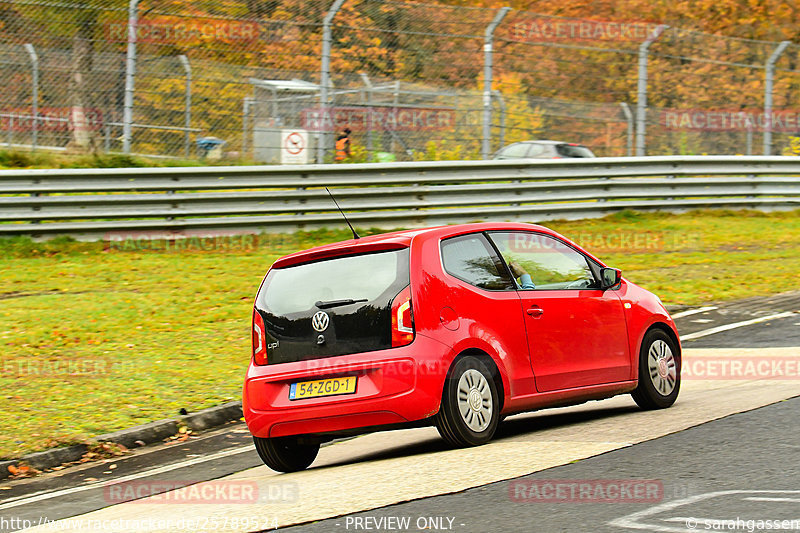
(20, 159)
(95, 338)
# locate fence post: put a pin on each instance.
(369, 86)
(488, 49)
(641, 90)
(769, 75)
(246, 103)
(395, 101)
(629, 117)
(130, 75)
(501, 101)
(34, 91)
(325, 74)
(187, 107)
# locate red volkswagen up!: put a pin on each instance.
(452, 326)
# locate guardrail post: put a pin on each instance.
(187, 106)
(130, 75)
(769, 75)
(34, 92)
(488, 53)
(641, 90)
(325, 75)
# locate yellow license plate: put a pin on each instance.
(322, 387)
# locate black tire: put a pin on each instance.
(286, 454)
(659, 371)
(478, 400)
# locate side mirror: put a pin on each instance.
(610, 277)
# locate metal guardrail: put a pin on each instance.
(95, 202)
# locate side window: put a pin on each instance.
(536, 150)
(471, 258)
(514, 151)
(541, 262)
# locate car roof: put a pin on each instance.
(545, 141)
(397, 240)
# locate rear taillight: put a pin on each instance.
(402, 318)
(259, 339)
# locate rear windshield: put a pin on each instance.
(354, 277)
(571, 150)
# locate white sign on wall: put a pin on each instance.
(294, 147)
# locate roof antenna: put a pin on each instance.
(355, 235)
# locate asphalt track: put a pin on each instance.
(382, 470)
(726, 475)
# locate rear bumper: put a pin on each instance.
(394, 386)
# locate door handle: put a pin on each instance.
(535, 312)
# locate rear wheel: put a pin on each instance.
(286, 454)
(470, 408)
(659, 371)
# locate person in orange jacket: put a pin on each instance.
(343, 145)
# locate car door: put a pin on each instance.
(576, 332)
(480, 306)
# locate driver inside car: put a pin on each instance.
(521, 276)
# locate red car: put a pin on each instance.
(454, 326)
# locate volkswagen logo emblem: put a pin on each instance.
(320, 321)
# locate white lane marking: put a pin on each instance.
(683, 519)
(689, 312)
(160, 470)
(790, 500)
(634, 520)
(702, 320)
(726, 327)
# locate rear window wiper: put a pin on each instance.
(337, 303)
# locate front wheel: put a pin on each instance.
(659, 372)
(470, 409)
(286, 454)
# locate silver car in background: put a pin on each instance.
(542, 150)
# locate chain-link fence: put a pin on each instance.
(269, 80)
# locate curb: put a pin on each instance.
(147, 433)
